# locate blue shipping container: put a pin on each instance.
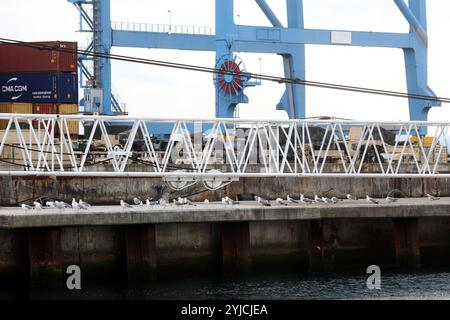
(39, 87)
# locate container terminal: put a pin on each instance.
(147, 198)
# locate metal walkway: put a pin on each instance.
(162, 28)
(221, 150)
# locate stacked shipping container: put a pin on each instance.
(39, 87)
(14, 108)
(43, 108)
(22, 59)
(70, 109)
(42, 81)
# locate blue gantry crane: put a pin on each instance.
(288, 41)
(95, 72)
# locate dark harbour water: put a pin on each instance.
(423, 286)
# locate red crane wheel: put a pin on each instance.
(229, 77)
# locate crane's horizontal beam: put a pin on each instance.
(358, 38)
(161, 40)
(262, 39)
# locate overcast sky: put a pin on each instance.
(155, 91)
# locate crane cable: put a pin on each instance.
(296, 81)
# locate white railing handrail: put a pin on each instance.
(127, 118)
(39, 144)
(162, 28)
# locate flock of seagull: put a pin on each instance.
(180, 201)
(57, 205)
(290, 200)
(147, 203)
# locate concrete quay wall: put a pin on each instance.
(141, 245)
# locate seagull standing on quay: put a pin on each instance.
(206, 201)
(182, 201)
(327, 200)
(62, 205)
(262, 201)
(75, 204)
(85, 204)
(137, 202)
(224, 201)
(350, 197)
(82, 206)
(228, 201)
(187, 201)
(281, 202)
(391, 199)
(26, 207)
(231, 201)
(59, 205)
(179, 201)
(50, 204)
(318, 199)
(429, 196)
(371, 200)
(37, 205)
(124, 205)
(303, 199)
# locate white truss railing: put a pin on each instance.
(163, 28)
(221, 149)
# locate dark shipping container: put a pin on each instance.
(18, 58)
(39, 87)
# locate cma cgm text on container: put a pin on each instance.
(39, 87)
(22, 58)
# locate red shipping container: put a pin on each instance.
(19, 58)
(43, 108)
